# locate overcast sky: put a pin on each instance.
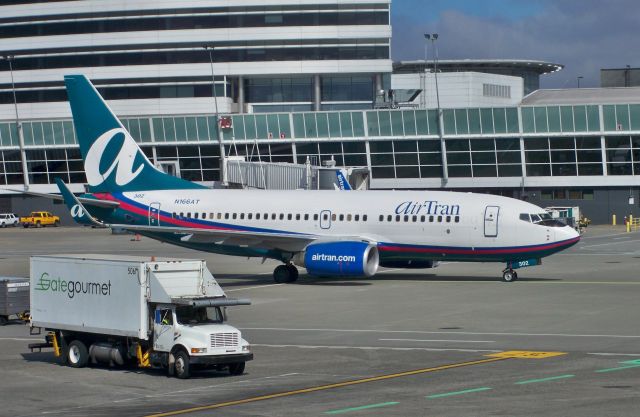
(583, 35)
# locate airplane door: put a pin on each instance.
(491, 221)
(325, 219)
(154, 214)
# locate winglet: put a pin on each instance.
(79, 213)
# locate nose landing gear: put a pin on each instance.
(285, 273)
(509, 275)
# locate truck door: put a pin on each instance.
(154, 214)
(325, 219)
(163, 329)
(491, 221)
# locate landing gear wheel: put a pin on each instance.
(77, 354)
(294, 272)
(509, 275)
(285, 273)
(181, 366)
(236, 368)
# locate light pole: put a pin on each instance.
(433, 37)
(23, 155)
(217, 114)
(579, 78)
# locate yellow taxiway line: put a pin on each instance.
(328, 386)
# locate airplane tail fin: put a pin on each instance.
(113, 161)
(343, 184)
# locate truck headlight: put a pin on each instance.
(246, 348)
(198, 350)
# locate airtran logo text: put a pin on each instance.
(123, 163)
(332, 258)
(72, 288)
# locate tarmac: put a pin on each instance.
(563, 340)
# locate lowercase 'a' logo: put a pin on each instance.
(122, 163)
(77, 211)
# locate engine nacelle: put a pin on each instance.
(339, 259)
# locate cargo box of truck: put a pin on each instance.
(14, 298)
(123, 309)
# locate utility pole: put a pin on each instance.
(23, 154)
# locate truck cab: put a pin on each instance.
(196, 337)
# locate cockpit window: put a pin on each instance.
(525, 217)
(545, 219)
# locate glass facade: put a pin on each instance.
(533, 142)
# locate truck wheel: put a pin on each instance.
(181, 366)
(25, 225)
(38, 224)
(236, 368)
(77, 355)
(3, 320)
(56, 223)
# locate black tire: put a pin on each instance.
(181, 366)
(4, 320)
(77, 354)
(38, 224)
(56, 223)
(25, 225)
(236, 368)
(282, 274)
(509, 276)
(294, 273)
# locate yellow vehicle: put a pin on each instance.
(39, 219)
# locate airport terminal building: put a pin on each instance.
(300, 79)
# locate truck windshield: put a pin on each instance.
(194, 316)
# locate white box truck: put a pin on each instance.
(129, 310)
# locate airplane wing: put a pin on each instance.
(84, 200)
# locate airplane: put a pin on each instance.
(344, 234)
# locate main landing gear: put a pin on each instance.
(285, 273)
(509, 275)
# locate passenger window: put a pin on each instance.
(195, 215)
(173, 215)
(525, 217)
(341, 217)
(164, 317)
(306, 216)
(315, 217)
(457, 219)
(181, 214)
(219, 216)
(348, 217)
(281, 216)
(298, 216)
(273, 216)
(235, 216)
(325, 217)
(423, 218)
(415, 218)
(430, 219)
(397, 217)
(211, 216)
(448, 219)
(381, 218)
(389, 217)
(439, 219)
(204, 216)
(241, 216)
(364, 218)
(356, 217)
(406, 218)
(189, 215)
(333, 217)
(226, 216)
(257, 216)
(289, 216)
(250, 216)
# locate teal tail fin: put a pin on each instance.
(113, 161)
